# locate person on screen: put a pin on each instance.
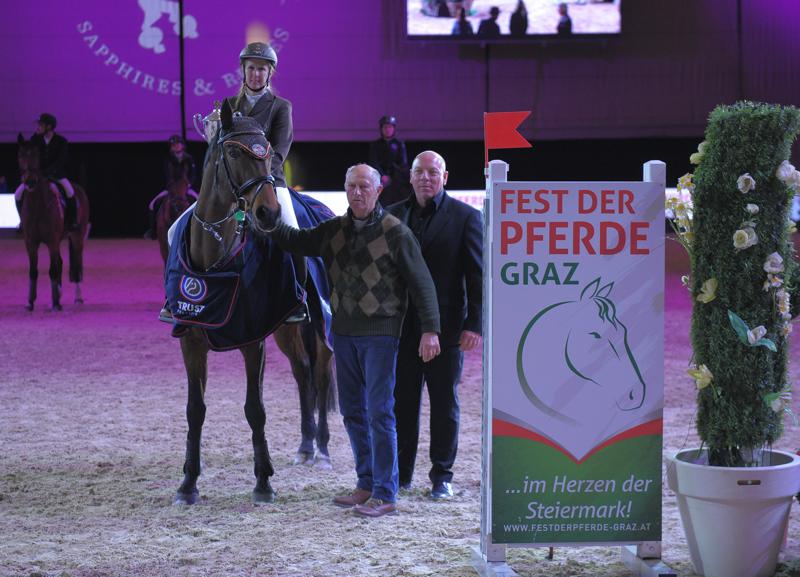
(488, 28)
(462, 26)
(53, 154)
(178, 165)
(450, 234)
(518, 26)
(564, 27)
(388, 155)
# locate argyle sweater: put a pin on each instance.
(371, 272)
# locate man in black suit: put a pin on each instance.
(450, 233)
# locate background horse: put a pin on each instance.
(170, 209)
(236, 183)
(42, 216)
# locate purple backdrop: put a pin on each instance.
(343, 65)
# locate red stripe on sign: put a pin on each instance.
(502, 428)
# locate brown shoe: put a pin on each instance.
(375, 508)
(357, 497)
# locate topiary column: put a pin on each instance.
(742, 269)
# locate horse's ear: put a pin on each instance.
(226, 115)
(20, 138)
(606, 290)
(591, 288)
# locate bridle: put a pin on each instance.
(241, 209)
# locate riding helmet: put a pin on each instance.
(387, 120)
(259, 51)
(175, 138)
(47, 119)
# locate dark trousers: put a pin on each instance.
(441, 375)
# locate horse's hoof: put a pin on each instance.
(303, 458)
(189, 498)
(78, 301)
(322, 462)
(57, 308)
(263, 495)
(29, 307)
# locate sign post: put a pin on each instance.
(573, 365)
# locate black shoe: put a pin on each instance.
(405, 487)
(299, 316)
(442, 490)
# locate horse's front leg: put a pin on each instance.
(55, 275)
(195, 358)
(33, 273)
(290, 341)
(257, 418)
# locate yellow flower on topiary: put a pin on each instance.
(708, 292)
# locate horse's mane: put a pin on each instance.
(606, 308)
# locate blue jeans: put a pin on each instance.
(365, 379)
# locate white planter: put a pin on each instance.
(734, 517)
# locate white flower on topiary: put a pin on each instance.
(794, 180)
(774, 263)
(746, 183)
(785, 171)
(752, 208)
(756, 334)
(744, 238)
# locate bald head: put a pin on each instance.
(428, 176)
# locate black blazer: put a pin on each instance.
(452, 246)
(274, 114)
(53, 156)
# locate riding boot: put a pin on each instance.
(301, 273)
(71, 214)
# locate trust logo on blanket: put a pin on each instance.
(193, 289)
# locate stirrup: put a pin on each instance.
(299, 316)
(165, 316)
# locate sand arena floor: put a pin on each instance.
(92, 431)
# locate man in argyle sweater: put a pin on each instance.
(373, 262)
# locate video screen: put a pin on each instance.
(509, 20)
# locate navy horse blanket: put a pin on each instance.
(252, 293)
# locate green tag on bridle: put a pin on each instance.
(239, 215)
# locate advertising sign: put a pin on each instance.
(576, 371)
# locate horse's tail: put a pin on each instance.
(313, 334)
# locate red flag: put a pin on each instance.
(500, 131)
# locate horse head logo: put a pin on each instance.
(152, 37)
(574, 360)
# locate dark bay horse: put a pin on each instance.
(236, 183)
(176, 202)
(42, 218)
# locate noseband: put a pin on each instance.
(242, 206)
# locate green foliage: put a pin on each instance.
(744, 138)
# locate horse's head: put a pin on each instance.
(28, 160)
(597, 350)
(240, 161)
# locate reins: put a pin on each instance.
(241, 208)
